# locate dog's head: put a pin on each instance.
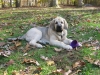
(58, 24)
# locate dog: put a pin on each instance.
(54, 34)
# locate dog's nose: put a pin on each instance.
(59, 26)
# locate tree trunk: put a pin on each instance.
(36, 2)
(80, 3)
(10, 3)
(1, 3)
(16, 3)
(54, 3)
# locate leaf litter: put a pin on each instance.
(30, 61)
(72, 57)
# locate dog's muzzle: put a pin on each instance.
(59, 28)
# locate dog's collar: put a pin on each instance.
(61, 34)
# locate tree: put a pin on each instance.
(17, 3)
(54, 3)
(10, 3)
(80, 3)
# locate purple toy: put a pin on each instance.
(74, 44)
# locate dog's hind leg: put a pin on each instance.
(35, 40)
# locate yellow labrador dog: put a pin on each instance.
(54, 34)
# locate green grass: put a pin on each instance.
(14, 23)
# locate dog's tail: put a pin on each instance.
(18, 38)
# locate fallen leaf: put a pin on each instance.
(5, 72)
(1, 38)
(50, 62)
(58, 72)
(44, 58)
(94, 53)
(87, 45)
(2, 43)
(17, 43)
(30, 61)
(36, 74)
(93, 61)
(7, 31)
(75, 72)
(10, 62)
(96, 62)
(11, 33)
(88, 20)
(58, 50)
(5, 53)
(15, 72)
(78, 64)
(27, 47)
(25, 54)
(37, 63)
(12, 48)
(95, 48)
(37, 71)
(90, 60)
(68, 72)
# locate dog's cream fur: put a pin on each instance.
(49, 34)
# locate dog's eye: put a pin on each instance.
(56, 23)
(61, 22)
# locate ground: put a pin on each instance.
(22, 59)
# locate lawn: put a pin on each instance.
(84, 26)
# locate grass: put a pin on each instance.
(82, 26)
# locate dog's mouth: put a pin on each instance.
(59, 29)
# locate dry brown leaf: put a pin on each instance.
(27, 47)
(10, 62)
(58, 49)
(78, 64)
(96, 62)
(90, 60)
(95, 48)
(76, 72)
(11, 33)
(15, 72)
(94, 53)
(12, 47)
(2, 44)
(30, 61)
(50, 62)
(22, 73)
(93, 61)
(1, 38)
(36, 74)
(87, 45)
(37, 71)
(17, 43)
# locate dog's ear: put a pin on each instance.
(52, 24)
(65, 24)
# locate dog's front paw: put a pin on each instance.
(39, 46)
(79, 44)
(68, 47)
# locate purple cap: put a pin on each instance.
(74, 44)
